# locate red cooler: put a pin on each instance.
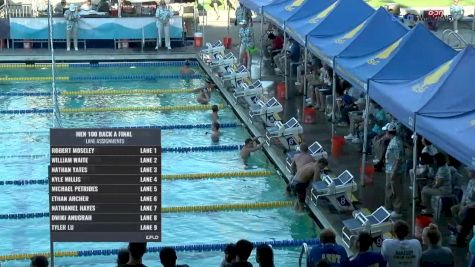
(198, 39)
(281, 90)
(227, 42)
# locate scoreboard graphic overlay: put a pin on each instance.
(105, 185)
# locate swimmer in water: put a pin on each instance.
(215, 133)
(249, 147)
(204, 93)
(214, 114)
(186, 70)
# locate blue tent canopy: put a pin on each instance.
(380, 23)
(300, 24)
(279, 11)
(255, 5)
(454, 135)
(411, 56)
(445, 91)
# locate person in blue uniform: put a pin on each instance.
(328, 250)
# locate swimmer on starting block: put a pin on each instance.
(249, 146)
(304, 176)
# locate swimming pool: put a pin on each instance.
(24, 149)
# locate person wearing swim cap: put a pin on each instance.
(72, 24)
(186, 70)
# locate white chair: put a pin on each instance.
(288, 134)
(220, 60)
(213, 48)
(232, 73)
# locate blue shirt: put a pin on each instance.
(332, 253)
(368, 259)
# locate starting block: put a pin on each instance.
(269, 111)
(250, 93)
(213, 48)
(219, 60)
(337, 190)
(231, 73)
(377, 223)
(288, 134)
(315, 150)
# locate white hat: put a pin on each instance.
(390, 127)
(72, 7)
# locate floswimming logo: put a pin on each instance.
(295, 3)
(350, 34)
(432, 78)
(385, 54)
(323, 14)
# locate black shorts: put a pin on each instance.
(300, 189)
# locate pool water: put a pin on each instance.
(23, 135)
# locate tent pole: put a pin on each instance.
(305, 81)
(365, 139)
(262, 46)
(333, 100)
(285, 71)
(414, 164)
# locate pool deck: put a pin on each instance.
(369, 197)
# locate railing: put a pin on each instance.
(19, 11)
(303, 252)
(446, 37)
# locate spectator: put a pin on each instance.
(103, 6)
(466, 213)
(293, 54)
(87, 6)
(325, 87)
(468, 197)
(277, 43)
(214, 114)
(328, 251)
(243, 251)
(215, 4)
(122, 257)
(39, 261)
(301, 158)
(401, 252)
(168, 258)
(424, 172)
(136, 252)
(379, 146)
(60, 8)
(435, 255)
(428, 147)
(265, 256)
(243, 13)
(246, 36)
(163, 15)
(229, 255)
(366, 258)
(303, 177)
(441, 186)
(394, 168)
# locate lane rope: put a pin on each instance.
(182, 248)
(105, 77)
(112, 109)
(178, 209)
(164, 149)
(104, 92)
(163, 127)
(185, 176)
(100, 65)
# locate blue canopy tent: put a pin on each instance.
(329, 23)
(454, 135)
(255, 5)
(301, 24)
(279, 11)
(359, 40)
(433, 103)
(420, 53)
(411, 56)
